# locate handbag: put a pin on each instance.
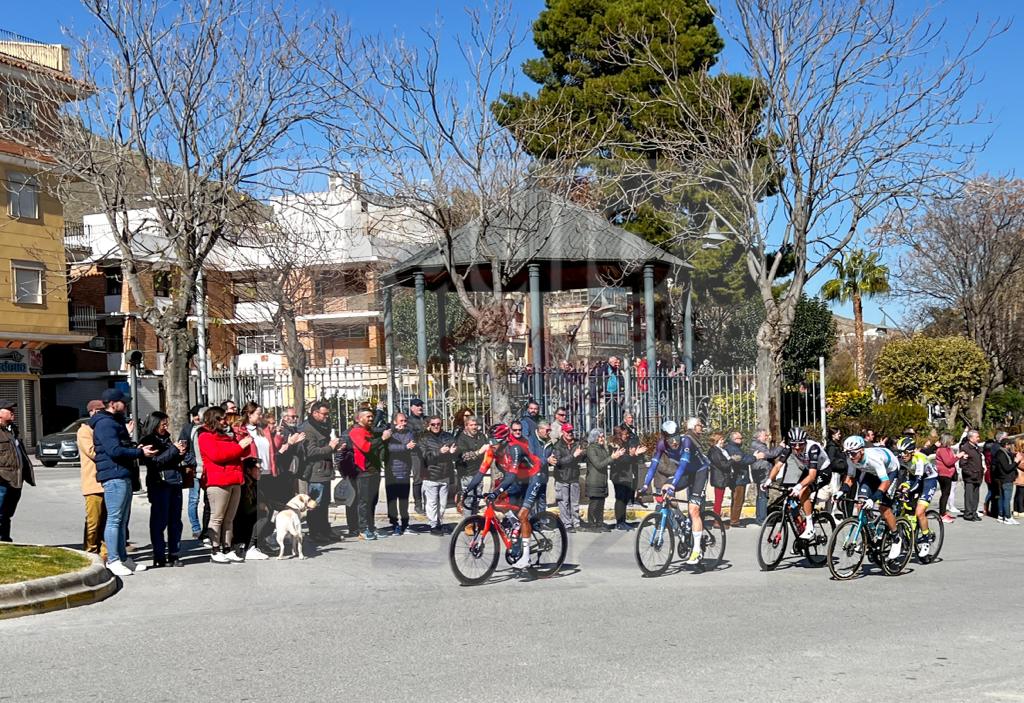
(345, 492)
(188, 476)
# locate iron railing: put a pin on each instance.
(25, 48)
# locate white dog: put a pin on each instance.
(289, 523)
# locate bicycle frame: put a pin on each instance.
(862, 524)
(491, 521)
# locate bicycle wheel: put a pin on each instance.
(846, 549)
(814, 549)
(548, 544)
(654, 545)
(937, 528)
(895, 566)
(472, 555)
(712, 545)
(771, 543)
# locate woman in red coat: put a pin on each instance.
(222, 478)
(945, 465)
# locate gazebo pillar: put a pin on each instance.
(536, 333)
(649, 315)
(421, 332)
(389, 347)
(442, 322)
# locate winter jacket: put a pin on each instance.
(87, 459)
(741, 461)
(761, 467)
(369, 450)
(721, 467)
(836, 458)
(116, 454)
(1004, 469)
(620, 471)
(163, 469)
(222, 458)
(437, 466)
(288, 457)
(599, 458)
(189, 457)
(15, 467)
(317, 455)
(973, 467)
(529, 423)
(567, 470)
(945, 462)
(473, 446)
(399, 466)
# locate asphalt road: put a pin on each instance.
(387, 621)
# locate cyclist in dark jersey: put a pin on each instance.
(684, 455)
(523, 480)
(812, 462)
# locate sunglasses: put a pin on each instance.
(435, 424)
(854, 452)
(519, 431)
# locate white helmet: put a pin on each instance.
(853, 443)
(669, 427)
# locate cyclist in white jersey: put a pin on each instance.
(875, 468)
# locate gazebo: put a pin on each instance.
(540, 243)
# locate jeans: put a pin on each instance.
(117, 497)
(567, 496)
(317, 519)
(761, 506)
(464, 482)
(367, 493)
(193, 508)
(971, 493)
(165, 516)
(1006, 500)
(435, 495)
(397, 490)
(9, 497)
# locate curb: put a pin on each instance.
(83, 587)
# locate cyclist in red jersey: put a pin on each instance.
(523, 478)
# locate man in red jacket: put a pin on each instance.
(368, 453)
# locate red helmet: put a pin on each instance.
(499, 432)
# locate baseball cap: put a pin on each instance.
(415, 401)
(113, 395)
(7, 405)
(94, 405)
(567, 428)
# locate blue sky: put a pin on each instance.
(998, 67)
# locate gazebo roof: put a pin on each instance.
(574, 247)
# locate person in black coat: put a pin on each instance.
(317, 468)
(164, 483)
(1004, 472)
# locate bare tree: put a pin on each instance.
(850, 117)
(966, 254)
(183, 120)
(431, 150)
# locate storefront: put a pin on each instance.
(19, 382)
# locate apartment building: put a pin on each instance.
(35, 79)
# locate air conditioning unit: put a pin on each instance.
(98, 343)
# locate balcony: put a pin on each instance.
(358, 305)
(52, 56)
(82, 318)
(76, 237)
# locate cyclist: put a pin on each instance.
(523, 482)
(678, 463)
(923, 481)
(810, 459)
(876, 468)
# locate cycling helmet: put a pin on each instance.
(499, 432)
(906, 445)
(796, 435)
(853, 443)
(669, 427)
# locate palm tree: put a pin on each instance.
(858, 276)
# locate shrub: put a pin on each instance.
(890, 419)
(848, 404)
(733, 411)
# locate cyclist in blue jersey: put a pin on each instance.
(876, 468)
(678, 463)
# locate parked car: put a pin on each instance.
(60, 446)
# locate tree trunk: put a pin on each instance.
(296, 355)
(976, 409)
(858, 331)
(178, 342)
(497, 372)
(767, 370)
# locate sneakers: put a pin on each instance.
(219, 557)
(233, 556)
(369, 536)
(694, 557)
(396, 531)
(1010, 521)
(947, 518)
(254, 554)
(119, 569)
(895, 549)
(436, 531)
(136, 568)
(623, 526)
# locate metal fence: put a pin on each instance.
(722, 399)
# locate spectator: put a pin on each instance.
(739, 478)
(972, 465)
(931, 443)
(561, 417)
(607, 387)
(398, 473)
(471, 447)
(621, 471)
(439, 453)
(164, 483)
(459, 421)
(191, 464)
(869, 437)
(15, 468)
(116, 456)
(530, 420)
(759, 470)
(289, 450)
(368, 450)
(1004, 472)
(636, 453)
(836, 458)
(542, 446)
(1018, 498)
(318, 468)
(526, 380)
(642, 372)
(253, 526)
(222, 455)
(567, 478)
(252, 516)
(989, 451)
(416, 420)
(92, 490)
(599, 458)
(945, 464)
(229, 407)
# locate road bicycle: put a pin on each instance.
(904, 508)
(656, 537)
(865, 535)
(784, 516)
(474, 548)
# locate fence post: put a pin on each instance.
(821, 393)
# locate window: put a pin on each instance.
(340, 284)
(115, 338)
(28, 282)
(113, 278)
(258, 344)
(22, 196)
(342, 332)
(162, 284)
(19, 112)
